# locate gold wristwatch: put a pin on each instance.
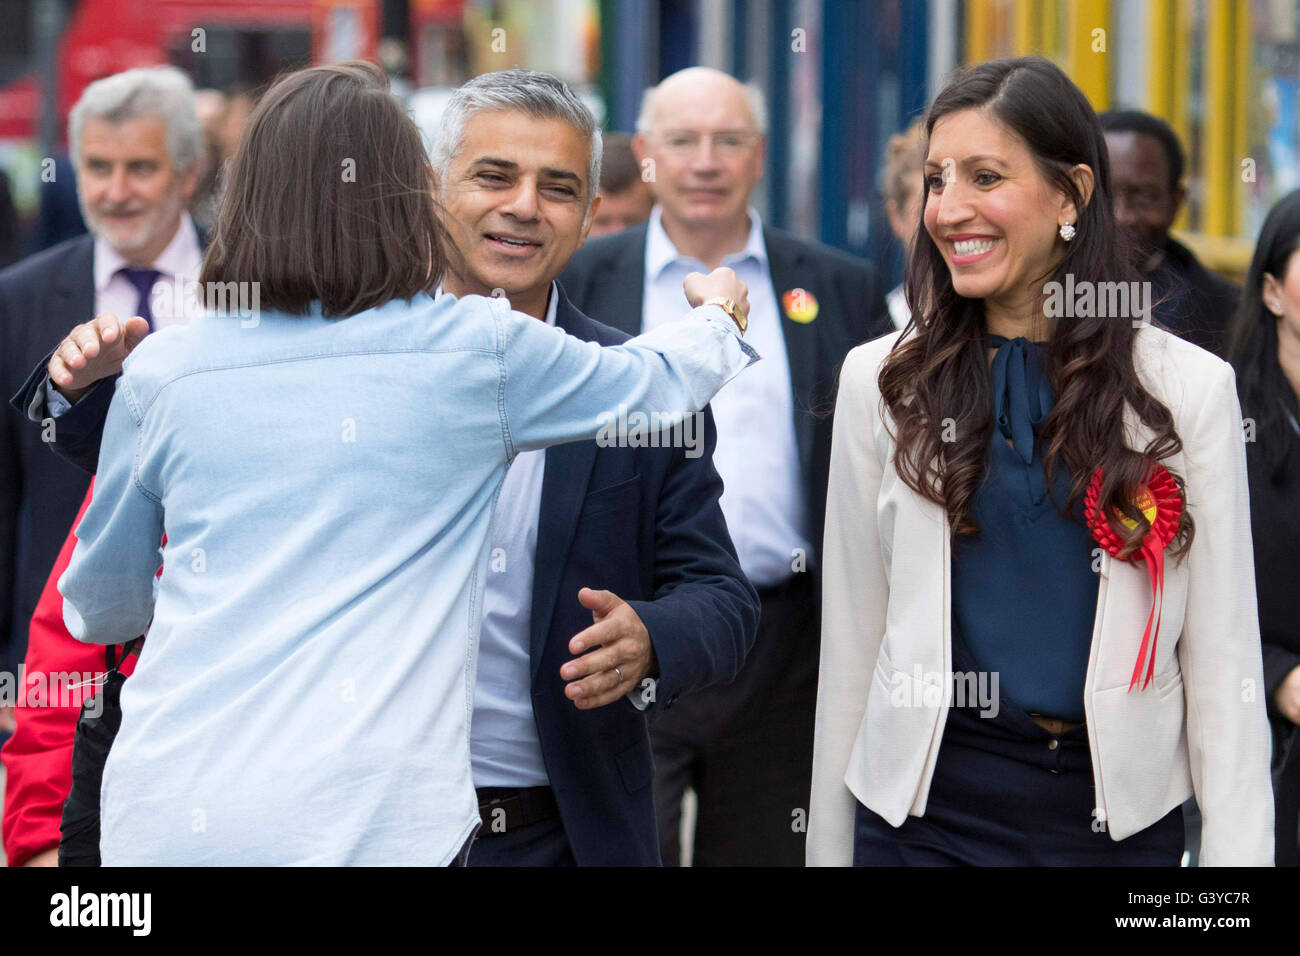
(729, 306)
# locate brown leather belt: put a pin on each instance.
(1053, 725)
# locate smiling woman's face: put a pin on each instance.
(991, 212)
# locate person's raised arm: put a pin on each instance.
(557, 388)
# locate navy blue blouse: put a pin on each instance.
(1024, 595)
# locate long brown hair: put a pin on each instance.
(941, 372)
(1266, 395)
(329, 198)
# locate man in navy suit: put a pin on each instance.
(613, 583)
(135, 140)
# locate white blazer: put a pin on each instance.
(1200, 727)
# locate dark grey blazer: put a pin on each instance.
(41, 298)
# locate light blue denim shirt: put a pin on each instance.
(326, 488)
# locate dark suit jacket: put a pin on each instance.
(1275, 535)
(41, 299)
(1195, 303)
(607, 279)
(10, 227)
(644, 523)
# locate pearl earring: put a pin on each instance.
(1067, 232)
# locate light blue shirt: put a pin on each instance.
(326, 488)
(763, 498)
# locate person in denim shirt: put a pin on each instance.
(305, 693)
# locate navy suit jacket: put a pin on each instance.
(41, 299)
(644, 523)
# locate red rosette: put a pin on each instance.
(1161, 504)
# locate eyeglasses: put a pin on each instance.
(728, 144)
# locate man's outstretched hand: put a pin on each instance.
(94, 350)
(621, 642)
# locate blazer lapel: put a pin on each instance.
(74, 289)
(1124, 587)
(786, 265)
(564, 487)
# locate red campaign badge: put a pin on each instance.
(1162, 505)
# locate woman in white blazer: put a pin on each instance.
(1011, 476)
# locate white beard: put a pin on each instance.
(126, 242)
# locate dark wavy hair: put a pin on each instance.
(329, 198)
(941, 372)
(1262, 386)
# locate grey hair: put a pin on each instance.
(753, 95)
(535, 94)
(162, 91)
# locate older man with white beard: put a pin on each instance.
(136, 144)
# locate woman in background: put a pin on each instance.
(1264, 348)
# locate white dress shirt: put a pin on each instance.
(763, 500)
(504, 747)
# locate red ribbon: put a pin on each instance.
(1162, 505)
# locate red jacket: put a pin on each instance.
(38, 757)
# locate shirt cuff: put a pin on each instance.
(716, 316)
(55, 403)
(636, 696)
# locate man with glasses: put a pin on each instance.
(1146, 164)
(745, 747)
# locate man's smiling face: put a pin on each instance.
(131, 195)
(515, 198)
